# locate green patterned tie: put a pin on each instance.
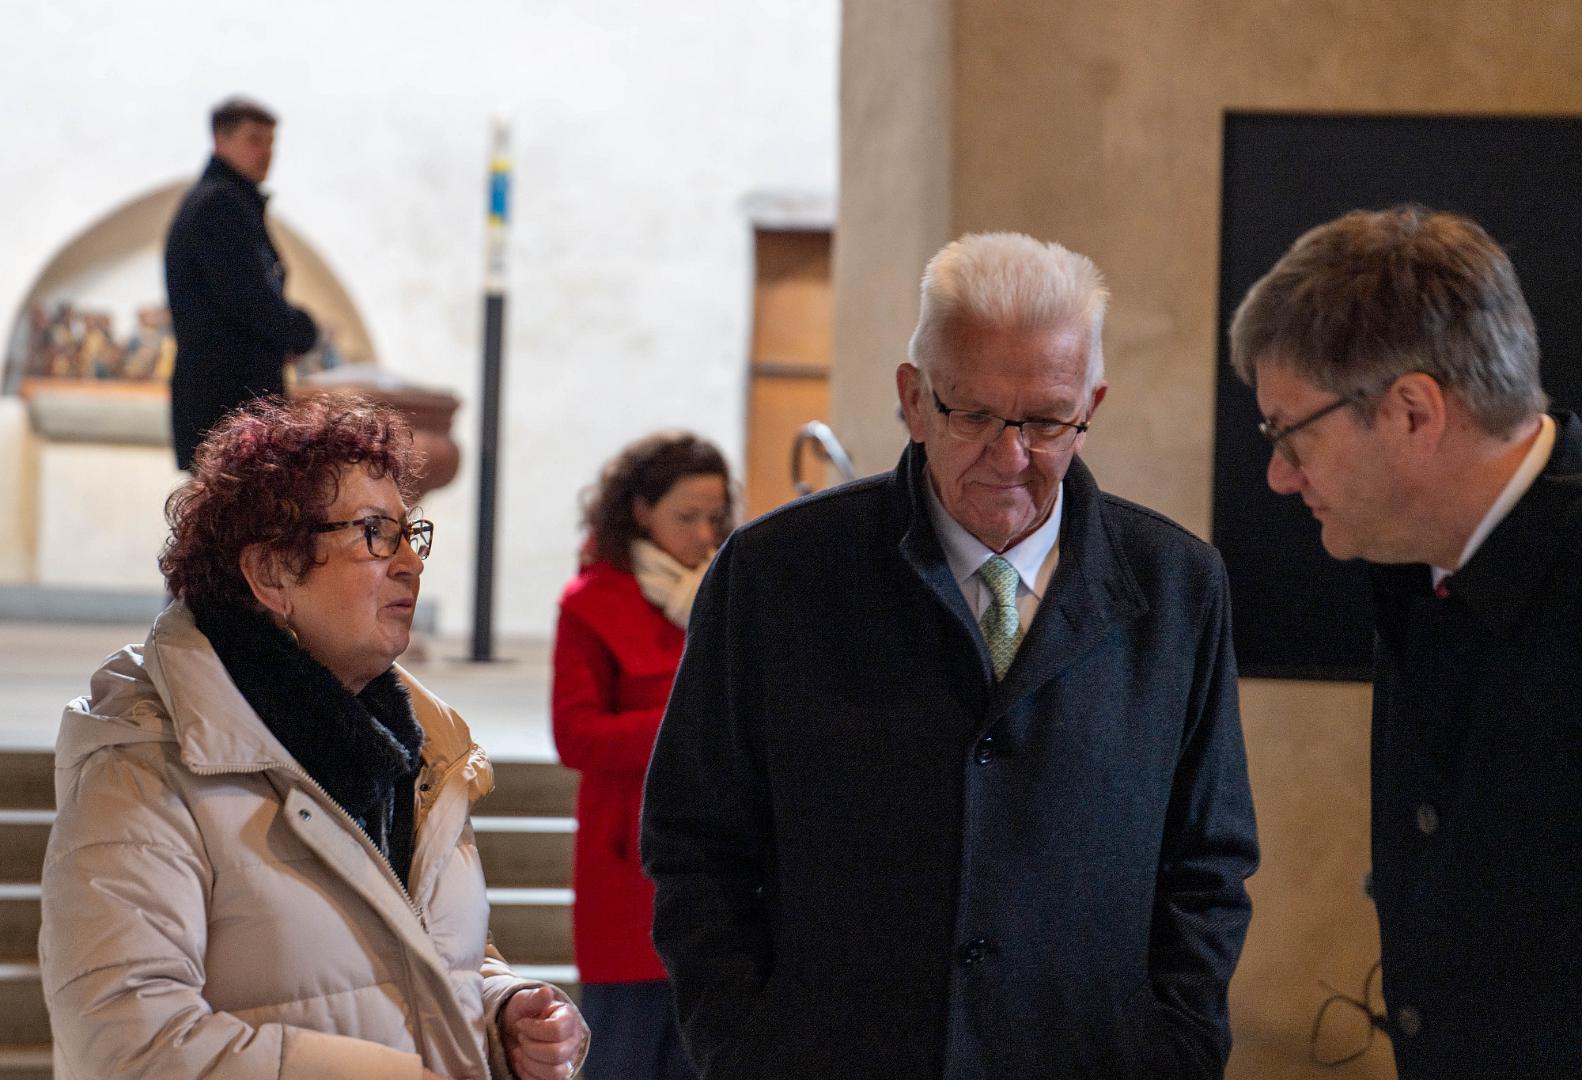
(1001, 625)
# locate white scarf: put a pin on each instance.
(667, 584)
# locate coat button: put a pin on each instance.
(985, 750)
(1427, 819)
(305, 815)
(975, 951)
(1409, 1021)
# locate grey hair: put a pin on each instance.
(1373, 295)
(1010, 281)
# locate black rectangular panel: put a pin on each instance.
(1299, 613)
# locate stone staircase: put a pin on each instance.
(524, 831)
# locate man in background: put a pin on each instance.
(1396, 366)
(234, 329)
(951, 782)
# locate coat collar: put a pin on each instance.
(921, 549)
(1502, 579)
(218, 731)
(219, 170)
(1093, 588)
(355, 745)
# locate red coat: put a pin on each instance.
(615, 658)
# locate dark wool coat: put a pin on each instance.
(615, 658)
(228, 308)
(1477, 796)
(872, 861)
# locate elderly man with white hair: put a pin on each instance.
(951, 783)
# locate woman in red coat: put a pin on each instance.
(654, 520)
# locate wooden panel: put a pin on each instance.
(515, 858)
(789, 381)
(27, 778)
(791, 298)
(777, 406)
(23, 837)
(532, 789)
(531, 933)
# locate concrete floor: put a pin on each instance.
(506, 703)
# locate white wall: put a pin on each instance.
(638, 128)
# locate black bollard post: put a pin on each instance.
(489, 412)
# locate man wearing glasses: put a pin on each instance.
(1396, 365)
(951, 782)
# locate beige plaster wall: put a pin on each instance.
(1307, 753)
(895, 166)
(1100, 125)
(18, 492)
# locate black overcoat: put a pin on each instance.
(872, 861)
(1477, 795)
(233, 325)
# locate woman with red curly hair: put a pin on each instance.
(654, 519)
(262, 862)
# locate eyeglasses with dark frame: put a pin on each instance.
(1278, 436)
(1344, 1027)
(1037, 436)
(384, 533)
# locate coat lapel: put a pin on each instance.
(922, 552)
(1502, 580)
(1093, 591)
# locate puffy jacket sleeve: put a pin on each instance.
(590, 732)
(126, 890)
(499, 983)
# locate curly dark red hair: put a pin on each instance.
(266, 474)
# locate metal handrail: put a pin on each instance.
(818, 434)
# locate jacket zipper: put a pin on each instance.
(384, 860)
(395, 879)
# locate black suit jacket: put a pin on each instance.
(1477, 795)
(873, 861)
(233, 325)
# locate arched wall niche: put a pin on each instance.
(116, 264)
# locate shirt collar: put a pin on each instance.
(965, 552)
(1522, 479)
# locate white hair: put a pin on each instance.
(1009, 281)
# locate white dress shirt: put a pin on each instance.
(1034, 558)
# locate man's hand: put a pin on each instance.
(543, 1035)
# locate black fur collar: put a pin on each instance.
(354, 745)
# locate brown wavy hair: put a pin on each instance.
(266, 474)
(646, 469)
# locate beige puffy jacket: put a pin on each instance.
(210, 912)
